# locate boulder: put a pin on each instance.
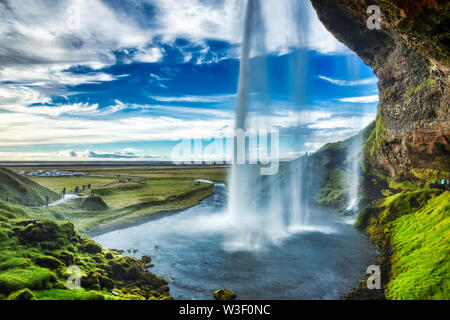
(49, 262)
(24, 294)
(92, 247)
(224, 294)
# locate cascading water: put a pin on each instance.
(265, 208)
(354, 163)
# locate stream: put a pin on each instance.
(188, 249)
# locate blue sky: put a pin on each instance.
(126, 80)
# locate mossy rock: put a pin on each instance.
(224, 294)
(92, 247)
(91, 281)
(94, 204)
(49, 262)
(146, 259)
(65, 257)
(106, 282)
(45, 230)
(109, 256)
(24, 294)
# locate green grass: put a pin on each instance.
(334, 192)
(420, 87)
(376, 138)
(213, 172)
(421, 263)
(58, 183)
(128, 196)
(13, 184)
(126, 203)
(415, 227)
(75, 294)
(31, 277)
(165, 189)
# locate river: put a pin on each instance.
(188, 249)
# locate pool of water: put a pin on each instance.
(189, 249)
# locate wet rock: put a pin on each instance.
(224, 294)
(146, 259)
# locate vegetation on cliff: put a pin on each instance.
(333, 161)
(412, 230)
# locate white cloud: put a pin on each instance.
(197, 99)
(350, 83)
(150, 55)
(365, 99)
(288, 24)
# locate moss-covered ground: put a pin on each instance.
(412, 229)
(36, 256)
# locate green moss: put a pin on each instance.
(420, 87)
(15, 263)
(376, 138)
(420, 264)
(24, 294)
(92, 247)
(32, 277)
(75, 294)
(415, 228)
(334, 192)
(224, 294)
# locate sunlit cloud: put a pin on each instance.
(350, 83)
(365, 99)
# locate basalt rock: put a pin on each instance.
(410, 55)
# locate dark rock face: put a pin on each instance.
(411, 57)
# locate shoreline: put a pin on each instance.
(109, 227)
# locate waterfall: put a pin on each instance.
(266, 209)
(354, 164)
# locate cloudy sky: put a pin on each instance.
(127, 79)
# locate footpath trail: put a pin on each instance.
(67, 198)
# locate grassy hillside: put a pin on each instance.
(15, 185)
(126, 203)
(36, 255)
(412, 230)
(332, 170)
